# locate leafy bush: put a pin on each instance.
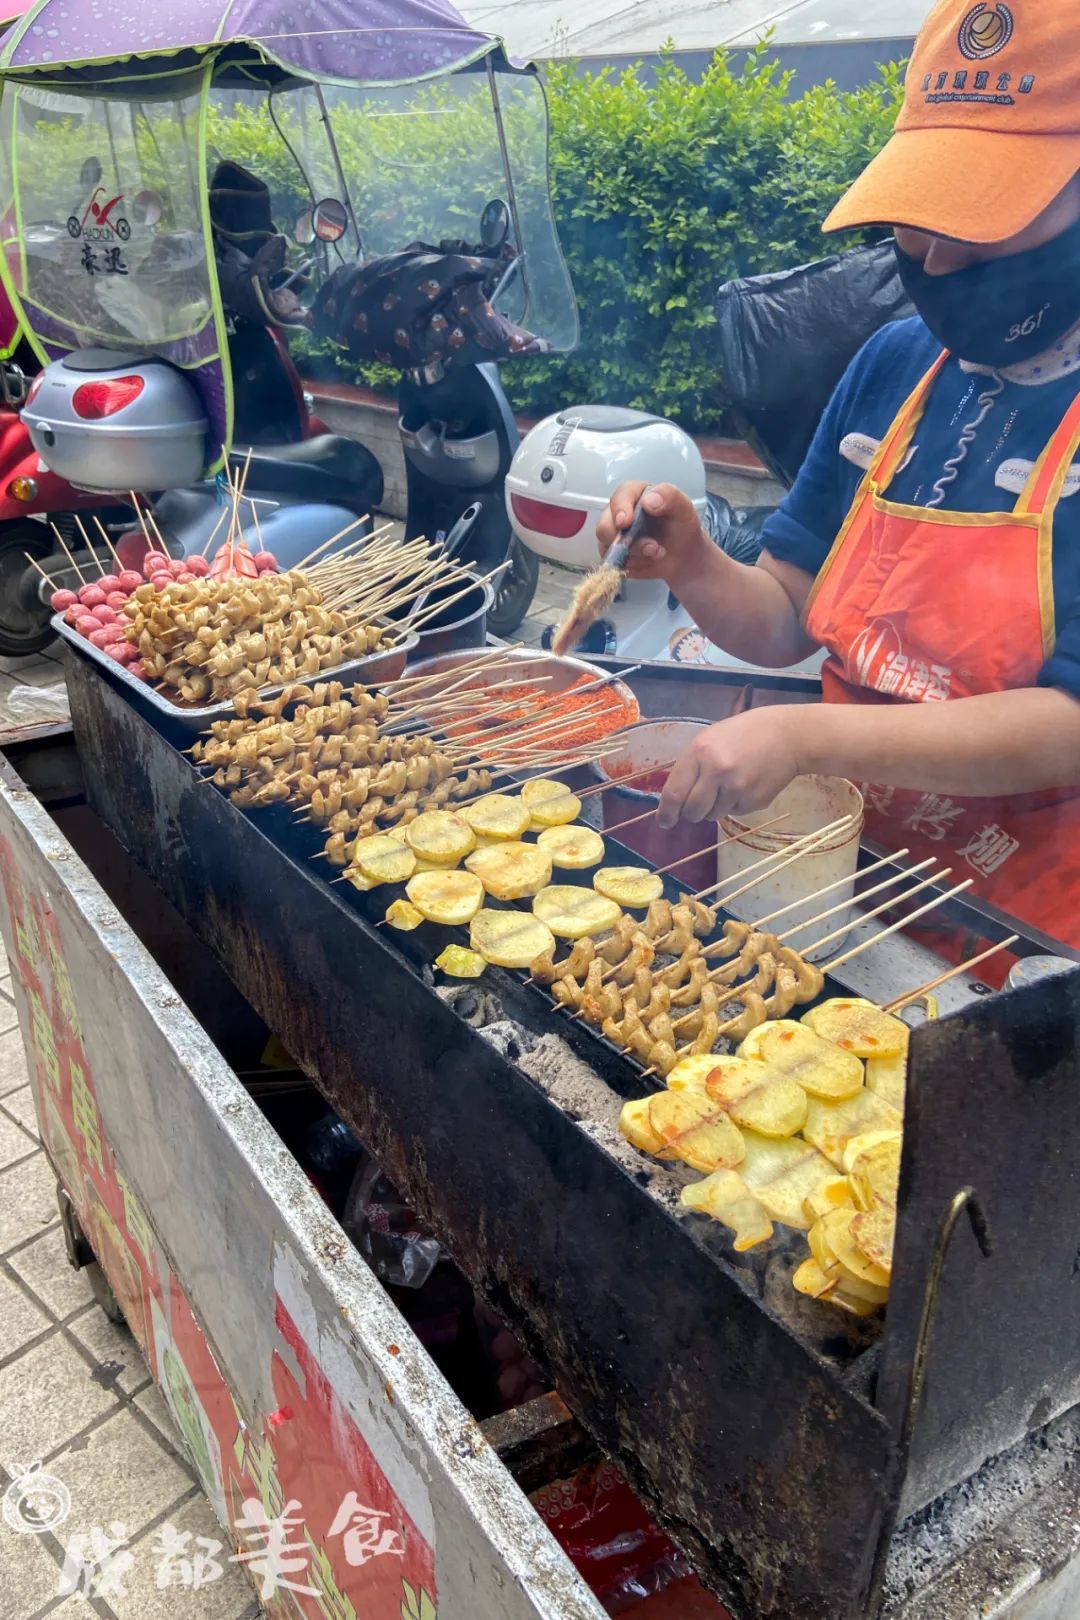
(662, 189)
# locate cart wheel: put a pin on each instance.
(103, 1294)
(24, 625)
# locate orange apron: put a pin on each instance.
(915, 604)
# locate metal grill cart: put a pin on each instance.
(922, 1468)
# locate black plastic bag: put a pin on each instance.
(784, 341)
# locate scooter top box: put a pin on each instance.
(177, 723)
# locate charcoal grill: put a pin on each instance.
(779, 1447)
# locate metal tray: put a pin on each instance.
(176, 722)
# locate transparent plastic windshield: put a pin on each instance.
(108, 195)
(418, 163)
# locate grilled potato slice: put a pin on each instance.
(447, 897)
(510, 939)
(382, 859)
(461, 963)
(858, 1026)
(634, 1125)
(828, 1195)
(403, 916)
(834, 1247)
(511, 870)
(809, 1279)
(353, 875)
(873, 1233)
(874, 1171)
(887, 1078)
(794, 1051)
(830, 1126)
(691, 1073)
(782, 1175)
(572, 912)
(755, 1099)
(440, 837)
(423, 865)
(572, 847)
(694, 1130)
(634, 887)
(497, 815)
(725, 1196)
(551, 804)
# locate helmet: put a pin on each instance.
(568, 467)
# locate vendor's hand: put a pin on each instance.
(673, 539)
(734, 767)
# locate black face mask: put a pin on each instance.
(1003, 310)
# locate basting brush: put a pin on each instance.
(599, 589)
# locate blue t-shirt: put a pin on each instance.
(1014, 431)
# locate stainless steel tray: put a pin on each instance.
(174, 721)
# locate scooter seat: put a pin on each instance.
(328, 468)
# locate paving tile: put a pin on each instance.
(118, 1474)
(13, 1071)
(27, 1200)
(9, 1017)
(46, 1396)
(113, 1347)
(28, 1575)
(229, 1596)
(20, 1321)
(14, 1142)
(20, 1105)
(45, 1267)
(38, 672)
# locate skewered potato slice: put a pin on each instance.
(828, 1195)
(873, 1233)
(440, 837)
(511, 870)
(887, 1077)
(382, 859)
(571, 913)
(634, 887)
(694, 1130)
(634, 1125)
(793, 1050)
(858, 1026)
(725, 1196)
(811, 1280)
(497, 815)
(403, 916)
(461, 963)
(782, 1175)
(510, 939)
(551, 804)
(874, 1170)
(833, 1245)
(446, 897)
(572, 847)
(364, 885)
(756, 1099)
(691, 1073)
(830, 1126)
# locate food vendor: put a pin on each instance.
(931, 541)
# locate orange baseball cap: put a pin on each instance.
(989, 132)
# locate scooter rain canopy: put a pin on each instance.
(353, 41)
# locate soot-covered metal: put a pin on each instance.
(779, 1458)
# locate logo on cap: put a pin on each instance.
(985, 31)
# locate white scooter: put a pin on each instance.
(560, 482)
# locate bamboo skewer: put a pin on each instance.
(952, 973)
(662, 871)
(215, 531)
(35, 564)
(894, 928)
(794, 852)
(867, 894)
(793, 905)
(868, 916)
(63, 547)
(101, 529)
(305, 562)
(133, 498)
(79, 524)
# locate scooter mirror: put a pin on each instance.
(304, 229)
(90, 173)
(495, 224)
(147, 208)
(330, 220)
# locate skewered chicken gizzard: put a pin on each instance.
(206, 639)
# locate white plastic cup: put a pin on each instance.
(808, 804)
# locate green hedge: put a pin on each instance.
(663, 187)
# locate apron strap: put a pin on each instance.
(894, 446)
(1043, 488)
